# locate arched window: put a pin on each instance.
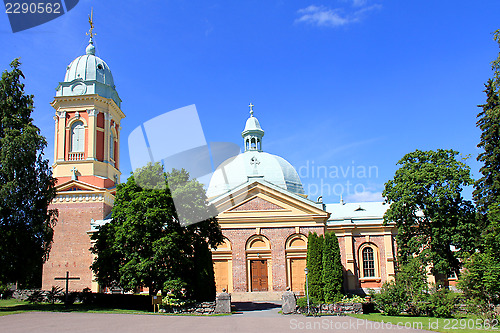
(368, 262)
(112, 146)
(77, 137)
(253, 144)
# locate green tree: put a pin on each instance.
(315, 265)
(332, 275)
(487, 188)
(480, 281)
(145, 245)
(26, 186)
(429, 210)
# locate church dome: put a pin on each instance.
(88, 74)
(88, 67)
(254, 164)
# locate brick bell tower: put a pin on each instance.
(86, 165)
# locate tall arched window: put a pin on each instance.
(77, 137)
(112, 146)
(368, 262)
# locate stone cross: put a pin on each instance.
(67, 278)
(251, 108)
(254, 161)
(74, 170)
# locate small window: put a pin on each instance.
(368, 262)
(112, 146)
(99, 66)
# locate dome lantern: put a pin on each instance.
(253, 133)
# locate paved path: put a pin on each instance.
(259, 318)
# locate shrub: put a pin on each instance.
(315, 265)
(352, 299)
(54, 294)
(36, 296)
(332, 276)
(5, 291)
(443, 303)
(302, 302)
(86, 296)
(408, 292)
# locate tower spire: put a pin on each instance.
(91, 48)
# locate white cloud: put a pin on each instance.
(324, 16)
(365, 196)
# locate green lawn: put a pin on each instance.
(12, 306)
(462, 325)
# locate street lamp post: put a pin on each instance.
(307, 289)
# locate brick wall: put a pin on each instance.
(70, 249)
(277, 237)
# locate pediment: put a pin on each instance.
(256, 203)
(261, 202)
(75, 185)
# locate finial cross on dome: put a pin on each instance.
(91, 22)
(251, 108)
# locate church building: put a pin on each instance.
(264, 213)
(266, 217)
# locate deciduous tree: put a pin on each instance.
(145, 245)
(429, 210)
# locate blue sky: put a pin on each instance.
(336, 84)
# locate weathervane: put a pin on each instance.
(91, 22)
(251, 108)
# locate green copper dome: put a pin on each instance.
(88, 74)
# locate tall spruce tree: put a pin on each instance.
(315, 265)
(26, 186)
(481, 280)
(332, 275)
(487, 188)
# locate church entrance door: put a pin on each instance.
(298, 275)
(258, 272)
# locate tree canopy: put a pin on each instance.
(429, 210)
(145, 245)
(481, 279)
(26, 186)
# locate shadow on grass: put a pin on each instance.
(21, 306)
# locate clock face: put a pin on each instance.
(79, 88)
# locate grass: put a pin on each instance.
(14, 306)
(457, 325)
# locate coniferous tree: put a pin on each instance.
(332, 275)
(481, 279)
(487, 188)
(26, 186)
(315, 265)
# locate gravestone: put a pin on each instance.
(223, 302)
(289, 302)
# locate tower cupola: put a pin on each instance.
(253, 133)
